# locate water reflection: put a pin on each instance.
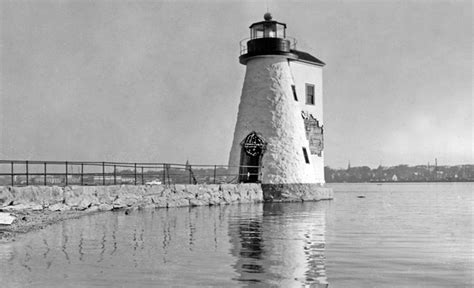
(279, 244)
(239, 245)
(425, 237)
(251, 245)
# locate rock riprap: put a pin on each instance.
(103, 198)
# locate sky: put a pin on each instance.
(160, 81)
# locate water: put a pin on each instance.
(399, 235)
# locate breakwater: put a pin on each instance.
(104, 198)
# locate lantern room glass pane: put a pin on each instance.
(256, 31)
(270, 30)
(280, 31)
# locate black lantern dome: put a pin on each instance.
(267, 38)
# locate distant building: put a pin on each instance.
(108, 178)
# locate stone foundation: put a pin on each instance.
(97, 198)
(295, 192)
(103, 198)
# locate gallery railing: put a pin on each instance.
(63, 173)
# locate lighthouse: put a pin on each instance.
(279, 135)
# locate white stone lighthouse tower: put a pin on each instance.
(278, 138)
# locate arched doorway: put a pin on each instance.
(251, 154)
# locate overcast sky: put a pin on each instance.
(160, 81)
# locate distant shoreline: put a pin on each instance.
(394, 182)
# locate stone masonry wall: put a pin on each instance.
(267, 106)
(103, 198)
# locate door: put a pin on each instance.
(251, 154)
(250, 168)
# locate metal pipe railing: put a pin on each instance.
(63, 173)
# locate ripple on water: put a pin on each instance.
(279, 244)
(398, 236)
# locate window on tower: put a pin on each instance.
(293, 88)
(309, 94)
(305, 153)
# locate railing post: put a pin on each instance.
(190, 176)
(103, 173)
(168, 166)
(44, 173)
(135, 173)
(115, 174)
(82, 174)
(27, 176)
(142, 176)
(12, 175)
(215, 168)
(66, 174)
(164, 173)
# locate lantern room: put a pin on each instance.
(268, 28)
(267, 38)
